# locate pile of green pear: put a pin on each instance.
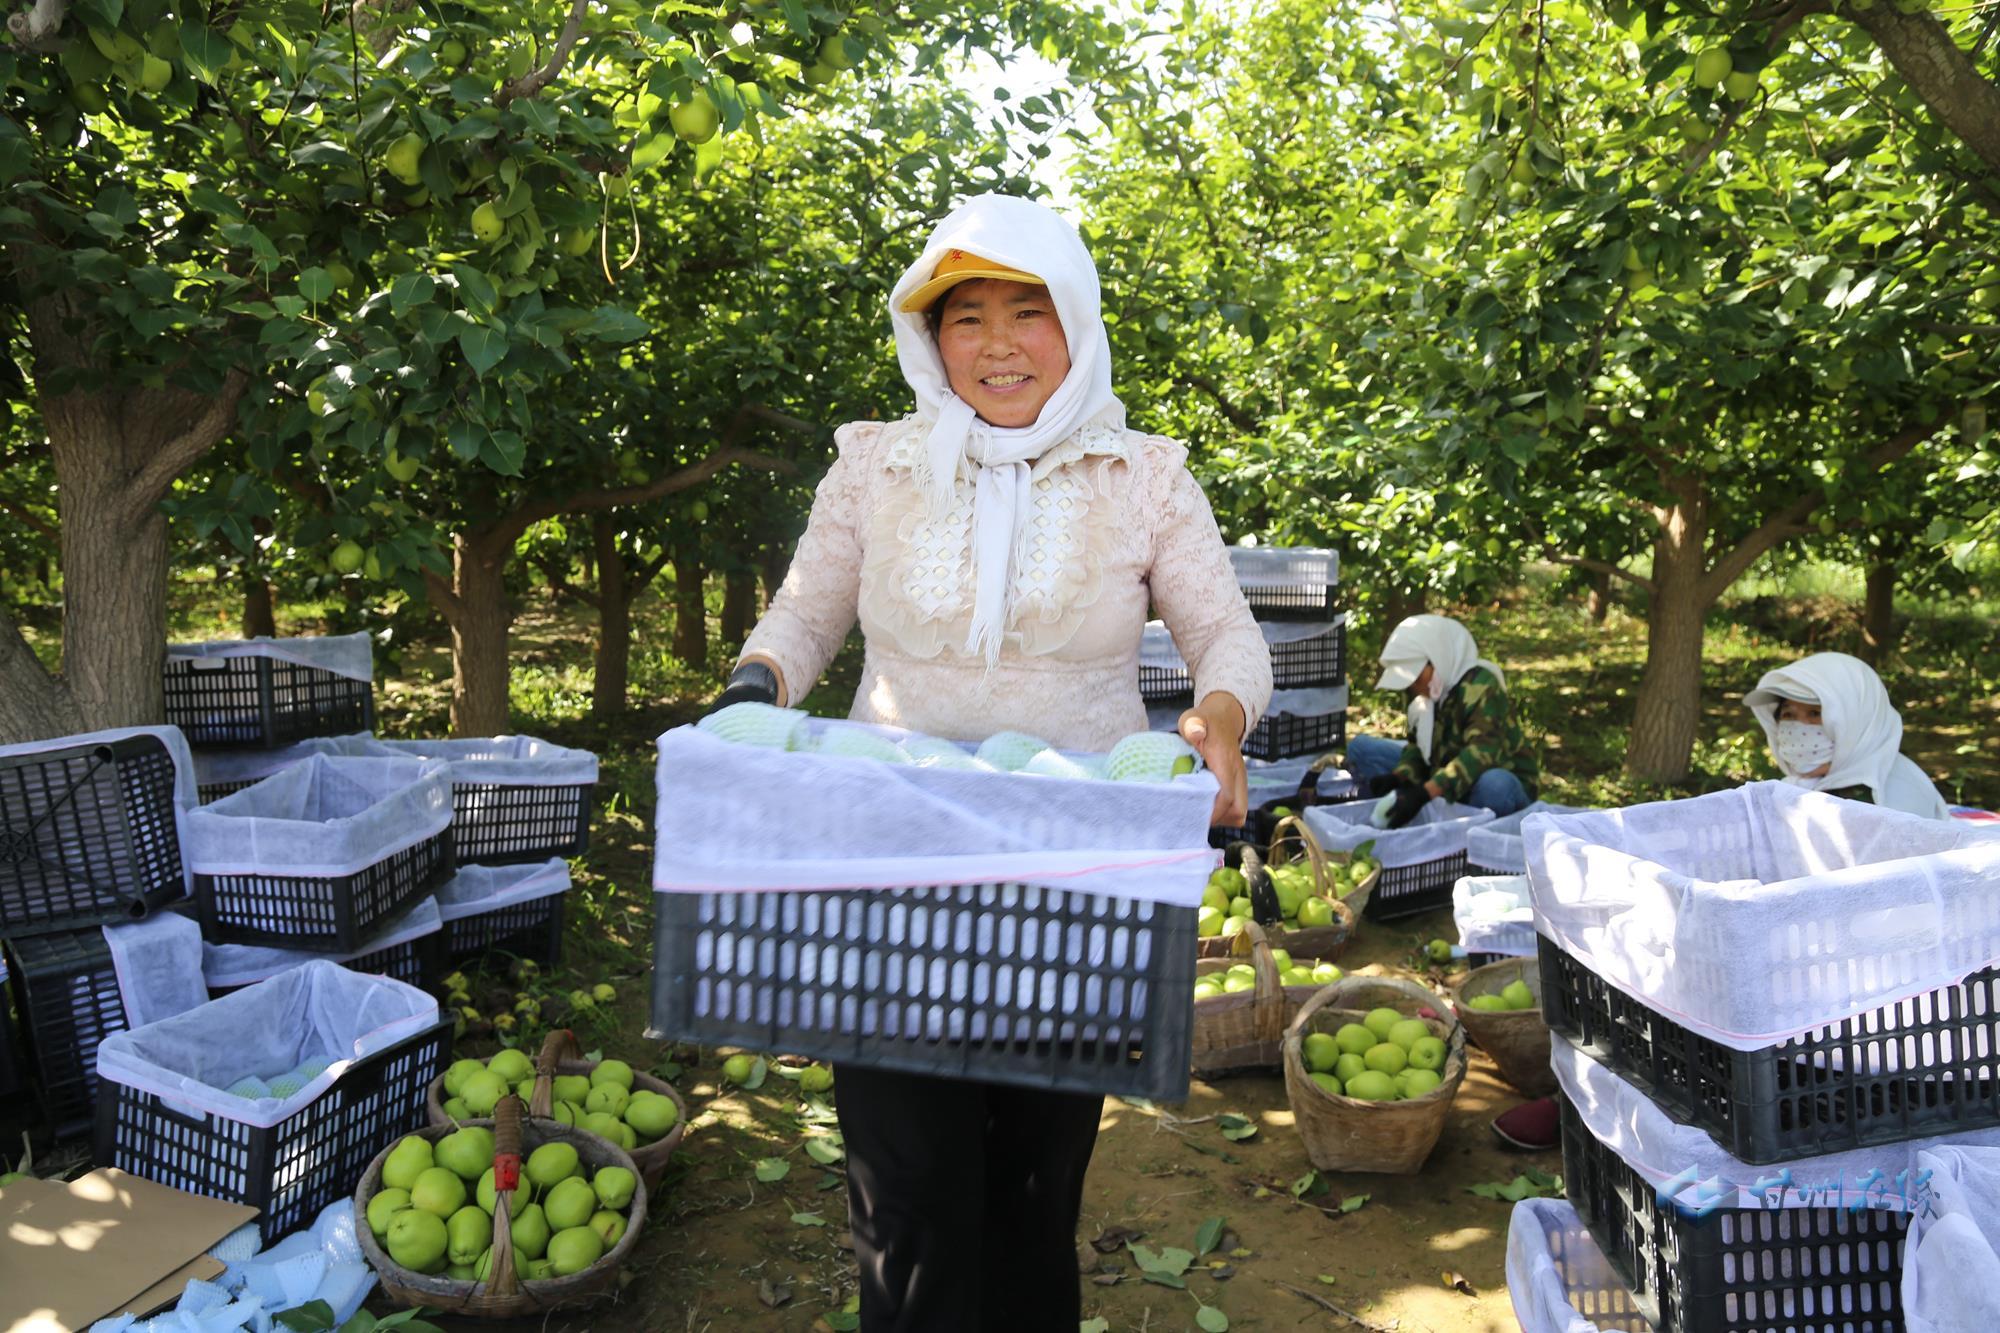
(1386, 1057)
(1514, 995)
(434, 1212)
(603, 1103)
(1242, 977)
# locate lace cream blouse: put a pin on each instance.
(1116, 521)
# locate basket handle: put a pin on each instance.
(1267, 1001)
(560, 1046)
(1290, 830)
(500, 1276)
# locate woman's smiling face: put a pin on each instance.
(1003, 347)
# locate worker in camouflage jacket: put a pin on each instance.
(1465, 744)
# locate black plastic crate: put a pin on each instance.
(1407, 890)
(211, 792)
(325, 914)
(1286, 735)
(1315, 663)
(10, 1063)
(1832, 1269)
(1936, 1057)
(293, 1169)
(1486, 872)
(66, 992)
(262, 701)
(87, 835)
(531, 930)
(997, 983)
(507, 824)
(1303, 601)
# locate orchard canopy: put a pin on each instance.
(407, 306)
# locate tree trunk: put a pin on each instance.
(1939, 71)
(259, 617)
(777, 561)
(1878, 615)
(609, 682)
(1598, 603)
(1668, 715)
(739, 606)
(690, 614)
(480, 617)
(1401, 606)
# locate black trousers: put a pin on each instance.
(963, 1200)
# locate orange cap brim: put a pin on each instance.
(956, 268)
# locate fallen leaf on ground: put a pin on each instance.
(1457, 1282)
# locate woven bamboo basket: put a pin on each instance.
(505, 1294)
(1242, 1033)
(1346, 1133)
(1293, 839)
(1319, 944)
(1517, 1039)
(561, 1055)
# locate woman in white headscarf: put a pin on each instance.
(1465, 744)
(1831, 728)
(1000, 547)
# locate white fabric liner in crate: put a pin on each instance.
(735, 818)
(1497, 846)
(317, 1011)
(186, 793)
(1283, 566)
(1494, 914)
(228, 965)
(1316, 702)
(477, 890)
(158, 965)
(1632, 1124)
(1951, 1259)
(233, 766)
(510, 761)
(1437, 831)
(1756, 915)
(1553, 1265)
(349, 655)
(323, 817)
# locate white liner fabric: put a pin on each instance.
(158, 965)
(1951, 1258)
(323, 817)
(228, 965)
(316, 1011)
(1437, 831)
(477, 890)
(1761, 914)
(511, 761)
(1558, 1279)
(1495, 914)
(736, 818)
(1283, 566)
(234, 766)
(349, 655)
(1632, 1124)
(1497, 846)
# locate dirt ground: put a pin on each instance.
(724, 1245)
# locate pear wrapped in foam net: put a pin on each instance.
(758, 724)
(1010, 751)
(1150, 756)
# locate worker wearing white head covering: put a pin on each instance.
(1855, 749)
(1464, 742)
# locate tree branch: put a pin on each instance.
(35, 28)
(152, 482)
(1938, 71)
(1236, 416)
(503, 533)
(442, 596)
(363, 16)
(29, 517)
(1606, 567)
(537, 79)
(1786, 520)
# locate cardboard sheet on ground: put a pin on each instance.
(72, 1253)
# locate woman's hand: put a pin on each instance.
(1214, 727)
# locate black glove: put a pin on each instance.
(1382, 784)
(1410, 798)
(750, 683)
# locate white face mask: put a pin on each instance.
(1803, 747)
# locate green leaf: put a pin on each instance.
(207, 51)
(504, 452)
(614, 324)
(465, 438)
(475, 289)
(841, 1321)
(758, 1072)
(1308, 1185)
(316, 284)
(1210, 1319)
(797, 19)
(1208, 1236)
(824, 1151)
(808, 1219)
(1097, 1325)
(312, 1317)
(485, 348)
(771, 1170)
(1235, 1128)
(1352, 1202)
(410, 291)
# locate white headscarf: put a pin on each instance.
(1866, 731)
(1448, 647)
(1027, 236)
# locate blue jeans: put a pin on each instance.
(1496, 789)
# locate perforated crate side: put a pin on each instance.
(1287, 735)
(293, 1169)
(1407, 890)
(1936, 1059)
(532, 930)
(1834, 1269)
(1314, 663)
(87, 835)
(513, 824)
(211, 792)
(328, 915)
(1305, 601)
(994, 983)
(264, 702)
(66, 992)
(10, 1062)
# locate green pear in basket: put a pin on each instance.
(855, 743)
(1149, 756)
(933, 752)
(767, 725)
(1055, 764)
(1010, 751)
